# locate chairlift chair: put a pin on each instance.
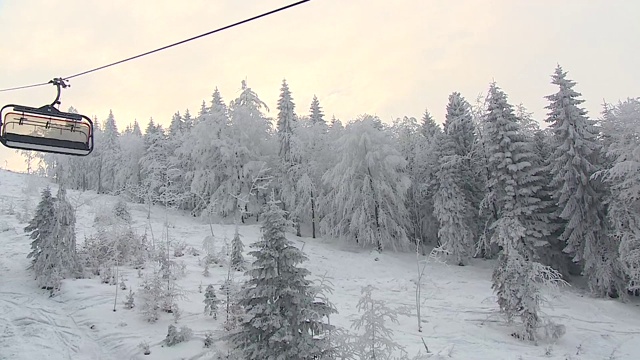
(46, 128)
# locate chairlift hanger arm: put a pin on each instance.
(58, 83)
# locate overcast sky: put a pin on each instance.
(389, 58)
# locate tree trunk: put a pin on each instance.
(313, 216)
(375, 212)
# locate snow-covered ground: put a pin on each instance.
(460, 319)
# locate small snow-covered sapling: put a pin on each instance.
(145, 348)
(208, 340)
(211, 302)
(129, 302)
(206, 272)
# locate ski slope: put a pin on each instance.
(460, 319)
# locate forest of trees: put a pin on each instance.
(549, 203)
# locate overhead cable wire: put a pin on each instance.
(167, 46)
(24, 87)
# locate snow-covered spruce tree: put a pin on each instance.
(151, 294)
(456, 199)
(237, 259)
(512, 186)
(302, 194)
(58, 258)
(621, 127)
(415, 147)
(376, 340)
(211, 302)
(368, 186)
(286, 118)
(282, 317)
(229, 294)
(114, 243)
(572, 163)
(317, 116)
(515, 182)
(209, 138)
(129, 303)
(41, 226)
(428, 126)
(175, 336)
(451, 208)
(243, 156)
(287, 125)
(460, 127)
(111, 154)
(153, 165)
(426, 185)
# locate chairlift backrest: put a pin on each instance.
(45, 129)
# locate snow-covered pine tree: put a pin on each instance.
(302, 195)
(456, 199)
(572, 163)
(208, 141)
(376, 340)
(243, 156)
(175, 336)
(368, 186)
(513, 184)
(428, 126)
(286, 118)
(153, 164)
(40, 227)
(132, 146)
(287, 125)
(211, 302)
(282, 317)
(229, 293)
(187, 121)
(129, 303)
(409, 141)
(58, 258)
(426, 184)
(451, 208)
(460, 127)
(111, 154)
(316, 117)
(237, 259)
(151, 295)
(550, 253)
(621, 127)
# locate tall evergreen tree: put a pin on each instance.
(187, 121)
(176, 126)
(456, 200)
(621, 127)
(218, 109)
(317, 116)
(111, 154)
(237, 259)
(572, 163)
(514, 182)
(429, 127)
(40, 227)
(286, 118)
(513, 185)
(283, 316)
(451, 207)
(368, 188)
(58, 257)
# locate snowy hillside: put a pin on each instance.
(460, 315)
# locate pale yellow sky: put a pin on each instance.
(390, 58)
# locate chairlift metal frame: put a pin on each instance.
(46, 129)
